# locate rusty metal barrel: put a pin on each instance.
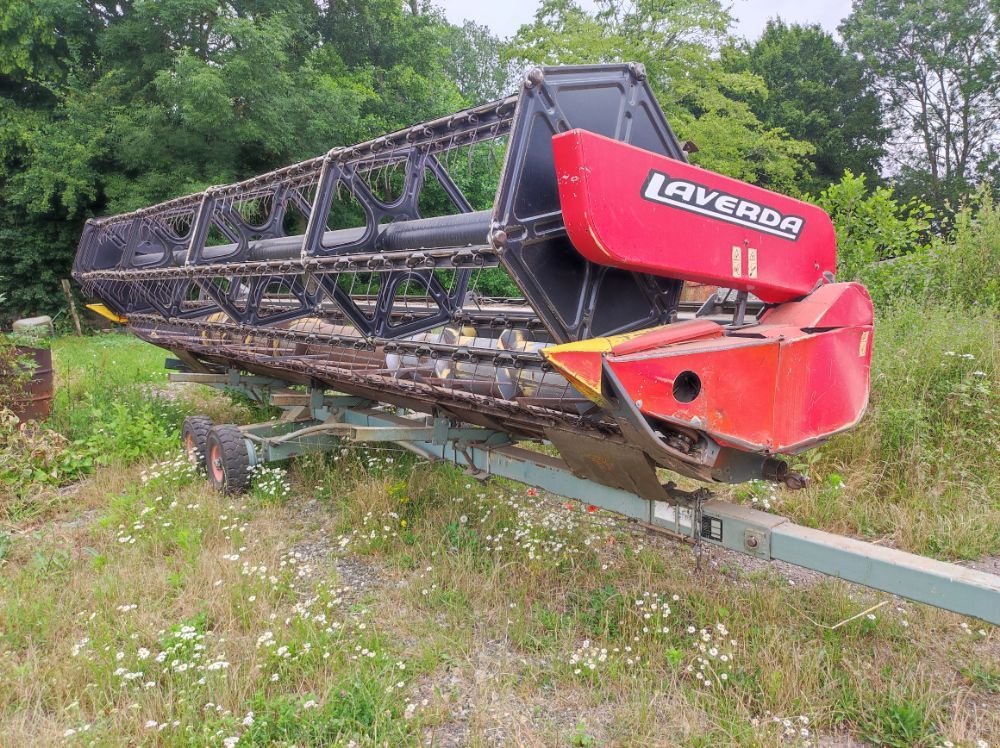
(33, 400)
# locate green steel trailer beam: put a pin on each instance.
(324, 420)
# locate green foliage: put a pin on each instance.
(495, 282)
(105, 417)
(476, 64)
(888, 245)
(936, 402)
(110, 107)
(900, 723)
(124, 431)
(581, 738)
(15, 371)
(966, 270)
(871, 226)
(817, 93)
(132, 427)
(982, 675)
(676, 42)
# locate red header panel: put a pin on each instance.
(629, 208)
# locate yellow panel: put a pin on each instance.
(107, 313)
(567, 356)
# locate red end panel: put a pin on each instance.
(629, 208)
(757, 394)
(821, 385)
(830, 306)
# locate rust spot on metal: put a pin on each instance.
(34, 402)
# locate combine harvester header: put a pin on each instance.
(362, 275)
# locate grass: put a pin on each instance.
(368, 597)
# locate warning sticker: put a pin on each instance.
(711, 528)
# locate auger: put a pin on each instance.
(374, 295)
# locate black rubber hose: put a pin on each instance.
(459, 230)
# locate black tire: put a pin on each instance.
(227, 461)
(194, 435)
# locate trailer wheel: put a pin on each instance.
(227, 461)
(194, 435)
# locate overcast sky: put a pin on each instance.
(505, 16)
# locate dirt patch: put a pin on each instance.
(989, 564)
(358, 574)
(740, 567)
(495, 698)
(317, 552)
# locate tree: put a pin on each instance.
(677, 41)
(477, 64)
(937, 65)
(404, 54)
(818, 93)
(110, 106)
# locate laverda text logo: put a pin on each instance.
(680, 193)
